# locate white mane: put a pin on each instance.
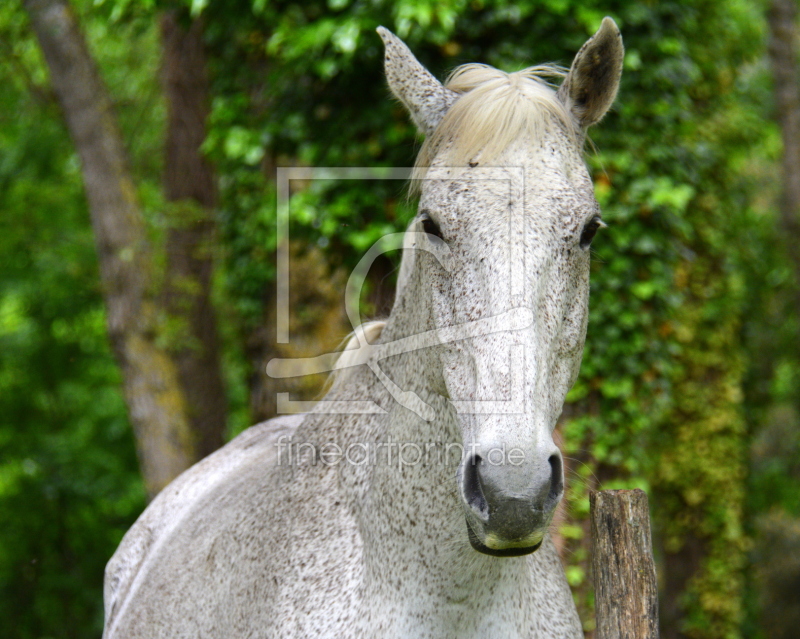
(494, 109)
(366, 333)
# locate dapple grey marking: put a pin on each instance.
(246, 544)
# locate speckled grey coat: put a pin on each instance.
(261, 540)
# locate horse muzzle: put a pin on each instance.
(509, 508)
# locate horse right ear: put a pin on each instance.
(423, 95)
(592, 82)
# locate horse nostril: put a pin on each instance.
(473, 490)
(556, 478)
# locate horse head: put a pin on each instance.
(506, 218)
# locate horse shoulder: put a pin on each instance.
(179, 500)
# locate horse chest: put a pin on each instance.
(426, 608)
(377, 577)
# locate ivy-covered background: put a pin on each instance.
(689, 384)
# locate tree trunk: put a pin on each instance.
(626, 593)
(157, 404)
(783, 54)
(190, 184)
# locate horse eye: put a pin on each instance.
(589, 231)
(430, 227)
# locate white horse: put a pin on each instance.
(427, 516)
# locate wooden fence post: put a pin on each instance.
(626, 594)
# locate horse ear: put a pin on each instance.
(592, 82)
(423, 95)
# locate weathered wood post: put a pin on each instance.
(626, 594)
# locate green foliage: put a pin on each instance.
(69, 480)
(686, 269)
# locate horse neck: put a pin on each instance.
(415, 370)
(420, 498)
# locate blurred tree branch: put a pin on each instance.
(189, 182)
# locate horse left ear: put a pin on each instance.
(592, 82)
(423, 95)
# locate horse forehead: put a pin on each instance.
(550, 200)
(540, 181)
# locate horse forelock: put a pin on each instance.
(494, 109)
